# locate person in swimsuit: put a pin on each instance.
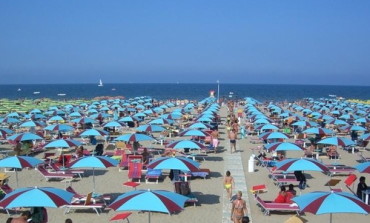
(228, 183)
(238, 209)
(232, 137)
(214, 135)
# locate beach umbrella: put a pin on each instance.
(19, 162)
(318, 130)
(199, 125)
(363, 167)
(176, 163)
(29, 124)
(24, 137)
(182, 144)
(283, 146)
(10, 120)
(150, 128)
(83, 120)
(59, 127)
(365, 137)
(56, 118)
(128, 119)
(94, 132)
(329, 202)
(161, 121)
(134, 137)
(267, 127)
(93, 162)
(305, 124)
(337, 141)
(5, 131)
(112, 124)
(63, 143)
(273, 135)
(149, 200)
(36, 197)
(194, 132)
(337, 122)
(301, 164)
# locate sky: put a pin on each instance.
(192, 41)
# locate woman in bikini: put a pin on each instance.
(238, 209)
(228, 183)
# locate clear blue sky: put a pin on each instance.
(239, 41)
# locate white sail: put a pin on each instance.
(100, 83)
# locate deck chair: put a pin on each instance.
(257, 189)
(152, 175)
(47, 156)
(80, 197)
(349, 183)
(57, 169)
(134, 171)
(363, 158)
(47, 175)
(201, 173)
(123, 164)
(5, 189)
(268, 206)
(183, 188)
(97, 207)
(340, 170)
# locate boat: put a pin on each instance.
(100, 83)
(61, 94)
(36, 92)
(113, 89)
(19, 89)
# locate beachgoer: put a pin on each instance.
(99, 149)
(214, 135)
(23, 218)
(228, 184)
(238, 208)
(79, 152)
(301, 178)
(361, 187)
(290, 193)
(39, 215)
(18, 148)
(232, 137)
(281, 197)
(146, 156)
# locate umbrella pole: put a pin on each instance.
(149, 216)
(94, 180)
(331, 215)
(16, 176)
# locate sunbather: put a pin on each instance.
(238, 209)
(281, 198)
(228, 183)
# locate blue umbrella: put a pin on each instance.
(193, 132)
(199, 125)
(93, 162)
(19, 162)
(273, 135)
(24, 137)
(176, 163)
(63, 143)
(59, 127)
(94, 132)
(134, 137)
(5, 131)
(32, 124)
(113, 124)
(36, 197)
(162, 121)
(149, 200)
(337, 141)
(318, 130)
(301, 164)
(329, 202)
(150, 128)
(363, 167)
(283, 146)
(182, 144)
(365, 137)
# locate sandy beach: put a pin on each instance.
(212, 205)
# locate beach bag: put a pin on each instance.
(184, 188)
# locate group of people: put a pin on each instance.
(285, 196)
(34, 215)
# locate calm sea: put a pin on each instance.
(260, 92)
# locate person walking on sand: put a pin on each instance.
(232, 137)
(228, 184)
(214, 135)
(238, 209)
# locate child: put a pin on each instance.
(228, 183)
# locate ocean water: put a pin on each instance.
(262, 92)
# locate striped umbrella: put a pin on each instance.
(134, 137)
(301, 164)
(176, 163)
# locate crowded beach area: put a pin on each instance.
(147, 160)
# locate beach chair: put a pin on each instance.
(58, 169)
(257, 189)
(87, 204)
(134, 171)
(281, 180)
(152, 175)
(340, 170)
(268, 206)
(121, 216)
(6, 189)
(363, 158)
(349, 183)
(123, 164)
(80, 197)
(183, 188)
(203, 173)
(49, 175)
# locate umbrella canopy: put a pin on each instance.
(36, 197)
(134, 137)
(305, 124)
(30, 124)
(199, 125)
(337, 141)
(5, 131)
(273, 135)
(162, 121)
(193, 132)
(328, 202)
(24, 137)
(363, 167)
(93, 162)
(283, 146)
(301, 164)
(182, 144)
(318, 130)
(149, 200)
(150, 128)
(176, 163)
(19, 162)
(63, 143)
(94, 132)
(365, 137)
(59, 127)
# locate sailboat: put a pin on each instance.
(100, 83)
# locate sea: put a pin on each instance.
(162, 91)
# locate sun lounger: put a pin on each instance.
(50, 175)
(152, 175)
(268, 206)
(340, 170)
(5, 189)
(280, 180)
(87, 204)
(201, 173)
(349, 183)
(95, 197)
(363, 158)
(58, 169)
(134, 171)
